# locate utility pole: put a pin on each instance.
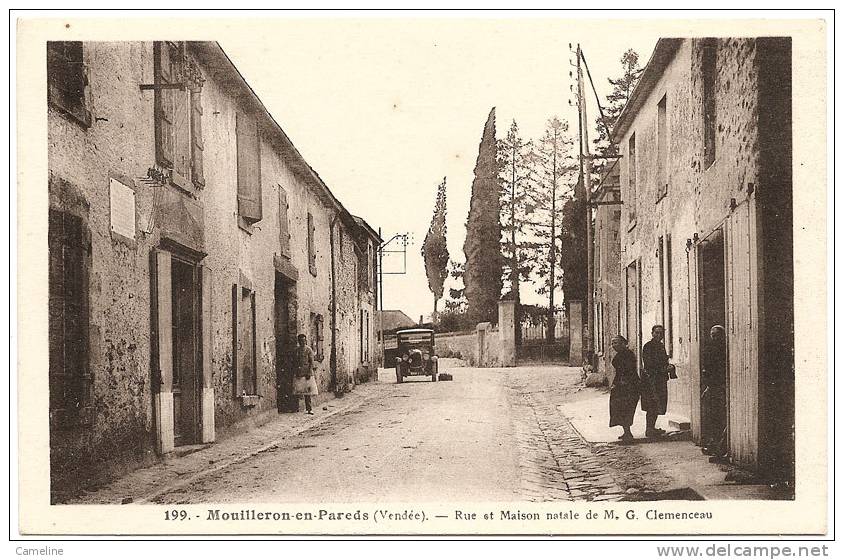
(586, 177)
(403, 239)
(514, 264)
(380, 302)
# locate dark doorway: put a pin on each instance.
(186, 352)
(285, 337)
(714, 365)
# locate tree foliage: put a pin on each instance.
(435, 249)
(622, 89)
(573, 257)
(482, 247)
(555, 173)
(515, 158)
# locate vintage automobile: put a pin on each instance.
(415, 354)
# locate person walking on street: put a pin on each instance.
(655, 373)
(624, 391)
(304, 383)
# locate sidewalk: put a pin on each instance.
(183, 466)
(675, 455)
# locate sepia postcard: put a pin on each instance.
(503, 273)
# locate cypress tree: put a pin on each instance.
(482, 276)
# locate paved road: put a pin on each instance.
(489, 435)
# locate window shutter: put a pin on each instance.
(163, 106)
(197, 144)
(56, 311)
(181, 137)
(67, 79)
(311, 245)
(68, 318)
(283, 224)
(248, 169)
(320, 338)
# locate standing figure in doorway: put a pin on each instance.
(304, 383)
(655, 372)
(624, 391)
(715, 392)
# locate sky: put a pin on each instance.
(384, 109)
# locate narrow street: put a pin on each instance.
(489, 435)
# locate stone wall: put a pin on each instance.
(80, 161)
(698, 199)
(120, 143)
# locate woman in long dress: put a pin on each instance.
(304, 382)
(624, 391)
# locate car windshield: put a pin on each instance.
(415, 340)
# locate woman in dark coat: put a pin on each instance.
(624, 392)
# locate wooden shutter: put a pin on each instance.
(248, 169)
(197, 144)
(181, 137)
(70, 383)
(311, 245)
(66, 78)
(283, 223)
(320, 338)
(164, 109)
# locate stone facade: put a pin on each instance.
(706, 229)
(607, 310)
(186, 318)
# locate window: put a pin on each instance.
(246, 363)
(283, 223)
(665, 289)
(248, 169)
(178, 114)
(67, 79)
(70, 379)
(311, 245)
(662, 149)
(631, 178)
(709, 72)
(317, 337)
(366, 343)
(362, 340)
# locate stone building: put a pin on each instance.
(189, 243)
(706, 236)
(607, 276)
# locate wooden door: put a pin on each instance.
(742, 333)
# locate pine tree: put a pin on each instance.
(515, 157)
(435, 249)
(482, 276)
(605, 151)
(555, 170)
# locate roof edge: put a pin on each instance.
(214, 50)
(663, 54)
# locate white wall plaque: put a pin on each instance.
(122, 209)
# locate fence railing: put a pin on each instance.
(537, 329)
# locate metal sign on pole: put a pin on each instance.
(402, 240)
